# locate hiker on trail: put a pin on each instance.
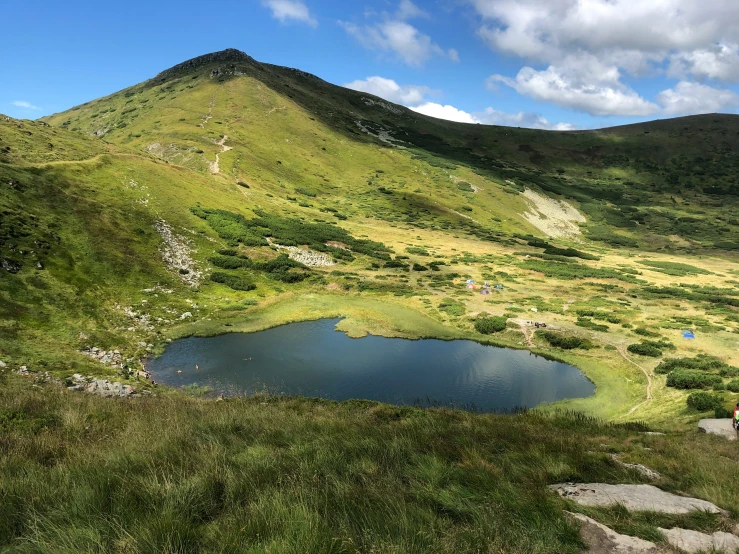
(735, 422)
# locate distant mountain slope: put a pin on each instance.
(637, 183)
(225, 194)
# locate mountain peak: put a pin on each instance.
(224, 56)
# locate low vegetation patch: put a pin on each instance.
(490, 324)
(235, 229)
(705, 401)
(566, 342)
(674, 268)
(236, 282)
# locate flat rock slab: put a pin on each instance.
(638, 498)
(601, 540)
(720, 427)
(694, 541)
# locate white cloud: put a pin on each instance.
(408, 95)
(581, 83)
(579, 50)
(447, 112)
(720, 61)
(290, 10)
(694, 98)
(408, 10)
(547, 29)
(26, 105)
(521, 119)
(393, 34)
(415, 98)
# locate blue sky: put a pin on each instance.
(531, 63)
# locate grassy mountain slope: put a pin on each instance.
(297, 158)
(646, 181)
(164, 211)
(181, 474)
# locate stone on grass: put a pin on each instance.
(721, 427)
(599, 539)
(693, 542)
(638, 498)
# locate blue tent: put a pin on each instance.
(688, 334)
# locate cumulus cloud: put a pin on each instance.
(582, 83)
(290, 10)
(415, 97)
(694, 98)
(447, 112)
(393, 34)
(695, 39)
(546, 29)
(719, 61)
(521, 119)
(407, 95)
(26, 105)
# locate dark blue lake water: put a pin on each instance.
(313, 359)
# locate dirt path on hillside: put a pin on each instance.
(208, 117)
(526, 330)
(647, 374)
(214, 166)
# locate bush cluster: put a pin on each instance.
(705, 401)
(235, 229)
(691, 379)
(566, 342)
(236, 282)
(491, 324)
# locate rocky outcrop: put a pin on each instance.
(176, 252)
(639, 468)
(639, 498)
(101, 387)
(599, 539)
(105, 357)
(305, 256)
(693, 542)
(721, 427)
(229, 58)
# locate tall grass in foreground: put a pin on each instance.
(266, 474)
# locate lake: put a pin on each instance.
(313, 359)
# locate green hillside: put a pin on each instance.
(228, 195)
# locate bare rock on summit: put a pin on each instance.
(693, 541)
(599, 539)
(638, 498)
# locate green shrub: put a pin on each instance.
(645, 332)
(243, 184)
(229, 262)
(691, 379)
(235, 228)
(419, 267)
(675, 269)
(701, 362)
(566, 342)
(704, 401)
(590, 324)
(395, 264)
(235, 282)
(645, 350)
(733, 386)
(722, 413)
(491, 324)
(417, 250)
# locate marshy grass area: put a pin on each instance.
(177, 473)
